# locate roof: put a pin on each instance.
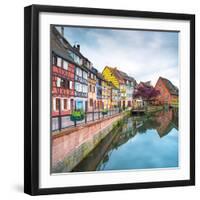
(61, 47)
(94, 70)
(121, 76)
(125, 76)
(100, 76)
(116, 74)
(145, 84)
(171, 88)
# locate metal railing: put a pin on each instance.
(62, 122)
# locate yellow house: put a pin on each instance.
(115, 96)
(106, 94)
(114, 76)
(110, 74)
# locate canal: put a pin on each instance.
(140, 142)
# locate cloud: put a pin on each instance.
(145, 55)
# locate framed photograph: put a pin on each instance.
(109, 99)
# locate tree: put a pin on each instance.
(147, 93)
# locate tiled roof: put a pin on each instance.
(60, 46)
(63, 41)
(172, 88)
(121, 76)
(125, 76)
(117, 74)
(100, 76)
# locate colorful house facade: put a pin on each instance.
(168, 92)
(123, 82)
(110, 74)
(62, 83)
(81, 88)
(99, 90)
(129, 85)
(115, 96)
(70, 71)
(92, 79)
(104, 94)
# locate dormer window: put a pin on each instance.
(65, 65)
(59, 62)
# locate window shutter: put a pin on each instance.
(62, 104)
(54, 104)
(58, 82)
(70, 84)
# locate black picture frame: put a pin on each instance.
(31, 98)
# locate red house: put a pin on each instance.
(62, 77)
(168, 92)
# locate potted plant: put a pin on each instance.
(77, 115)
(105, 111)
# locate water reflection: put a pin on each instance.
(149, 141)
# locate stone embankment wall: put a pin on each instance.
(71, 146)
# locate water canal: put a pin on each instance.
(141, 142)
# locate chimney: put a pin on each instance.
(62, 31)
(78, 47)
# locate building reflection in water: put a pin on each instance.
(162, 122)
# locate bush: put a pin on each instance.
(77, 115)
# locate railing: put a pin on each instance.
(80, 79)
(62, 122)
(81, 94)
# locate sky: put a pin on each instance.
(144, 55)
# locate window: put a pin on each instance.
(65, 104)
(81, 88)
(93, 88)
(131, 83)
(65, 83)
(90, 88)
(71, 55)
(78, 87)
(65, 65)
(81, 61)
(57, 104)
(78, 72)
(58, 82)
(85, 88)
(59, 62)
(84, 75)
(76, 59)
(91, 102)
(54, 60)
